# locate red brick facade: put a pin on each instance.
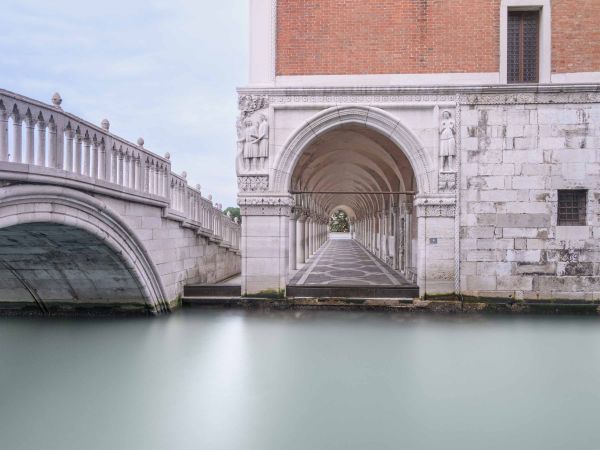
(575, 36)
(326, 37)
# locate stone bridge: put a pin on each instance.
(88, 219)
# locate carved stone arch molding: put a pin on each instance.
(25, 204)
(368, 116)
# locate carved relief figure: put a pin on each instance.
(263, 137)
(250, 140)
(252, 134)
(241, 139)
(447, 142)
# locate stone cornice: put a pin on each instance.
(422, 90)
(493, 94)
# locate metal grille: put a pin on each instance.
(522, 46)
(572, 207)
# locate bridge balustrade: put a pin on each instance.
(41, 143)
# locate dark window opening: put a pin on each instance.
(572, 207)
(523, 46)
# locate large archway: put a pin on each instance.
(73, 237)
(362, 159)
(361, 171)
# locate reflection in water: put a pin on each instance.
(203, 379)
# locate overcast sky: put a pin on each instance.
(165, 70)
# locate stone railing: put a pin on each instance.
(42, 143)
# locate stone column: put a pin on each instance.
(292, 247)
(300, 238)
(435, 267)
(307, 237)
(265, 242)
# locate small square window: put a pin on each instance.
(572, 207)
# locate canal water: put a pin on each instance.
(208, 379)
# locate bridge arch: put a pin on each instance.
(26, 208)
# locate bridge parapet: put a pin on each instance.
(56, 147)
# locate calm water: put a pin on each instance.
(284, 381)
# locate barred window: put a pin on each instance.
(523, 46)
(572, 207)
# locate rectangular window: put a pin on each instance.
(523, 46)
(572, 207)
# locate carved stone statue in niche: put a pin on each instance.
(447, 142)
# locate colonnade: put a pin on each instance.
(307, 233)
(389, 235)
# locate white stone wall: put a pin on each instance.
(181, 256)
(496, 235)
(514, 159)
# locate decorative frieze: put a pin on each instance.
(436, 207)
(257, 183)
(447, 182)
(265, 205)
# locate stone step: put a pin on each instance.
(212, 290)
(407, 291)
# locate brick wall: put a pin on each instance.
(326, 37)
(386, 36)
(575, 36)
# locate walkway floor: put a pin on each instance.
(346, 263)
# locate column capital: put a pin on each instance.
(435, 206)
(263, 205)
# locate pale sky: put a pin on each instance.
(164, 70)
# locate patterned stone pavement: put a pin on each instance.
(346, 263)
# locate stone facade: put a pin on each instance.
(449, 175)
(516, 157)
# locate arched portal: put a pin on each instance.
(64, 248)
(363, 159)
(363, 172)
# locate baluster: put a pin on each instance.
(126, 160)
(29, 140)
(134, 173)
(69, 152)
(102, 160)
(86, 155)
(166, 181)
(94, 159)
(156, 185)
(114, 162)
(3, 134)
(159, 180)
(146, 177)
(52, 145)
(138, 174)
(120, 169)
(78, 142)
(41, 155)
(151, 178)
(18, 138)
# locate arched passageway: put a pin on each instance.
(362, 172)
(51, 266)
